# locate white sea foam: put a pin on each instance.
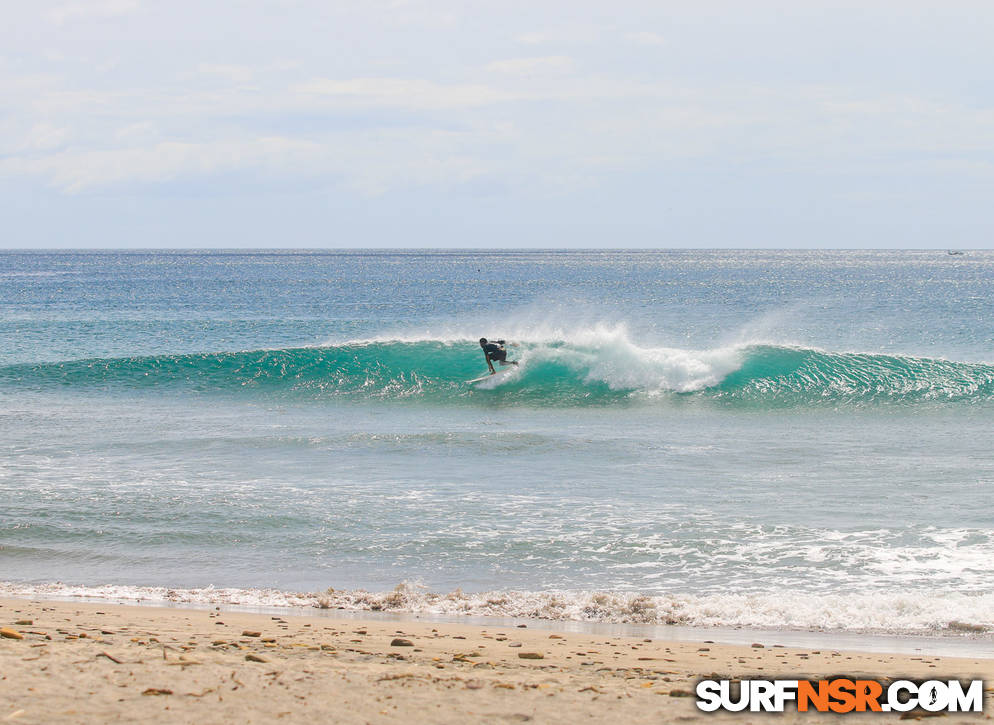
(601, 352)
(897, 613)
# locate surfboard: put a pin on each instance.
(488, 376)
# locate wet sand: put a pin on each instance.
(77, 662)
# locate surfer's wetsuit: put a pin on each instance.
(495, 351)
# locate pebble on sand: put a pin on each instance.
(531, 655)
(398, 642)
(10, 633)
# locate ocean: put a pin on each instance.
(765, 439)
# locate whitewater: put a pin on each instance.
(777, 439)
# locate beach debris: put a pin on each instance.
(514, 644)
(680, 693)
(249, 633)
(30, 622)
(112, 658)
(255, 658)
(10, 633)
(398, 642)
(157, 691)
(201, 694)
(757, 645)
(956, 626)
(531, 655)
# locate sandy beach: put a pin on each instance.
(95, 662)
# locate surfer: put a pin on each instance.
(495, 351)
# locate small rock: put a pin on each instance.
(522, 626)
(681, 693)
(248, 633)
(255, 658)
(757, 645)
(514, 644)
(531, 655)
(398, 642)
(30, 622)
(10, 633)
(555, 636)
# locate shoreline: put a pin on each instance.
(102, 661)
(963, 641)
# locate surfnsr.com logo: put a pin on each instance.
(839, 695)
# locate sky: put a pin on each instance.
(415, 123)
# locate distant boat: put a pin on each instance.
(954, 252)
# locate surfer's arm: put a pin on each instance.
(489, 364)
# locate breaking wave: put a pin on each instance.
(895, 613)
(597, 370)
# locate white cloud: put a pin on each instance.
(532, 38)
(44, 137)
(234, 73)
(96, 9)
(403, 92)
(76, 171)
(532, 66)
(647, 38)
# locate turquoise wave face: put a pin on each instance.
(805, 376)
(552, 373)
